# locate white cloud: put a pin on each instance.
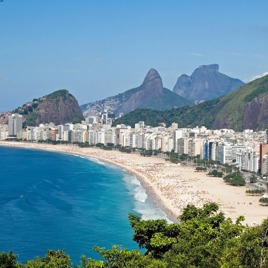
(257, 76)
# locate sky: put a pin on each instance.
(99, 48)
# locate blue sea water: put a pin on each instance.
(60, 201)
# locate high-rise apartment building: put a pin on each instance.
(14, 124)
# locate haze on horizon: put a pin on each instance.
(100, 48)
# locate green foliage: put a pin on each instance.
(215, 173)
(32, 119)
(77, 118)
(147, 234)
(9, 260)
(100, 145)
(149, 152)
(53, 259)
(257, 92)
(201, 169)
(255, 192)
(264, 201)
(184, 116)
(235, 179)
(90, 263)
(125, 150)
(57, 94)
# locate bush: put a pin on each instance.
(235, 179)
(201, 169)
(264, 201)
(255, 192)
(216, 173)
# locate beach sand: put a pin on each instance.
(171, 185)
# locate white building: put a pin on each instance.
(14, 124)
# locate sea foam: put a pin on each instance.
(146, 207)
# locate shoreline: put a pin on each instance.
(170, 185)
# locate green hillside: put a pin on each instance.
(232, 106)
(243, 108)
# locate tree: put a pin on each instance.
(9, 260)
(215, 173)
(53, 259)
(235, 179)
(264, 201)
(156, 236)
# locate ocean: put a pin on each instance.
(60, 201)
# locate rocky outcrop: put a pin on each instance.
(256, 113)
(205, 83)
(4, 118)
(151, 94)
(152, 87)
(59, 107)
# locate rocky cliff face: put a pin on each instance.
(256, 114)
(205, 83)
(152, 87)
(151, 94)
(59, 107)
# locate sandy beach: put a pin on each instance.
(172, 185)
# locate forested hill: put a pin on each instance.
(246, 107)
(186, 116)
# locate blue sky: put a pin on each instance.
(99, 48)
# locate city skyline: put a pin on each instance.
(97, 49)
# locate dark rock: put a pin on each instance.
(151, 94)
(256, 113)
(59, 107)
(205, 83)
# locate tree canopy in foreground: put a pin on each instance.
(203, 238)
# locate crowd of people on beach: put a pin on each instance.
(172, 185)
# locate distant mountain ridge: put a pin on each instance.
(244, 108)
(59, 107)
(205, 83)
(151, 94)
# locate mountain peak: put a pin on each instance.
(153, 71)
(150, 94)
(209, 68)
(151, 75)
(153, 82)
(205, 83)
